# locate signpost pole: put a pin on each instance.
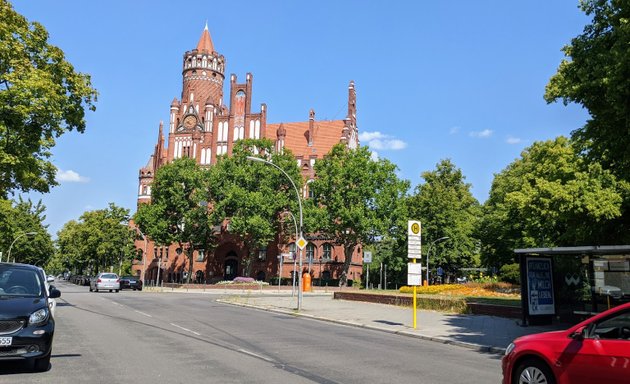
(415, 308)
(414, 270)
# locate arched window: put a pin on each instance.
(310, 252)
(327, 249)
(262, 254)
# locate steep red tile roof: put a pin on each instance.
(327, 134)
(205, 42)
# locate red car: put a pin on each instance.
(596, 350)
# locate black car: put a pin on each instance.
(130, 282)
(27, 325)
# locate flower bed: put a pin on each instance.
(490, 290)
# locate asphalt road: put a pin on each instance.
(144, 337)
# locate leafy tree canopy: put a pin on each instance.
(551, 197)
(178, 212)
(22, 224)
(357, 200)
(100, 239)
(447, 208)
(41, 98)
(596, 74)
(252, 195)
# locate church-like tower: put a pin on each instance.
(192, 120)
(203, 125)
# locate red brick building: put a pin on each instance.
(202, 126)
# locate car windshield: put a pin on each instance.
(109, 276)
(16, 281)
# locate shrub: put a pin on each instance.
(510, 273)
(243, 279)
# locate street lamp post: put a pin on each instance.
(429, 251)
(297, 194)
(294, 259)
(14, 240)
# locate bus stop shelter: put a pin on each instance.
(570, 283)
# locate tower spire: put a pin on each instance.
(205, 42)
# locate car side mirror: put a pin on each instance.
(54, 293)
(579, 334)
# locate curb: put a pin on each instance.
(474, 347)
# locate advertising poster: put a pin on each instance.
(540, 286)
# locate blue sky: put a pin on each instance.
(462, 80)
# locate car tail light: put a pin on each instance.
(98, 281)
(118, 281)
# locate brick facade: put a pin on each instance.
(202, 126)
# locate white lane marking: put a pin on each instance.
(255, 355)
(143, 314)
(186, 329)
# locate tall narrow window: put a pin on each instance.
(310, 252)
(327, 248)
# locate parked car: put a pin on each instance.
(130, 282)
(596, 350)
(52, 303)
(27, 324)
(105, 280)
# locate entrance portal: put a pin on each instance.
(230, 267)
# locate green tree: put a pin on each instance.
(72, 246)
(17, 219)
(358, 199)
(178, 212)
(550, 197)
(41, 98)
(446, 208)
(252, 195)
(596, 74)
(101, 239)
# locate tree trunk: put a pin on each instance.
(190, 266)
(348, 250)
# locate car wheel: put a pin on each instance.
(116, 291)
(42, 364)
(533, 371)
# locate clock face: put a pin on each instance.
(190, 121)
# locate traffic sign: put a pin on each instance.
(414, 228)
(301, 243)
(414, 239)
(367, 257)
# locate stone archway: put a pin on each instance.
(230, 266)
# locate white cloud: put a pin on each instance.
(70, 176)
(368, 136)
(481, 134)
(380, 141)
(513, 140)
(387, 144)
(374, 156)
(454, 130)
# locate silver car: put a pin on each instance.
(105, 280)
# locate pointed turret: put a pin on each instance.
(205, 42)
(203, 74)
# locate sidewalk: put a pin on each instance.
(482, 333)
